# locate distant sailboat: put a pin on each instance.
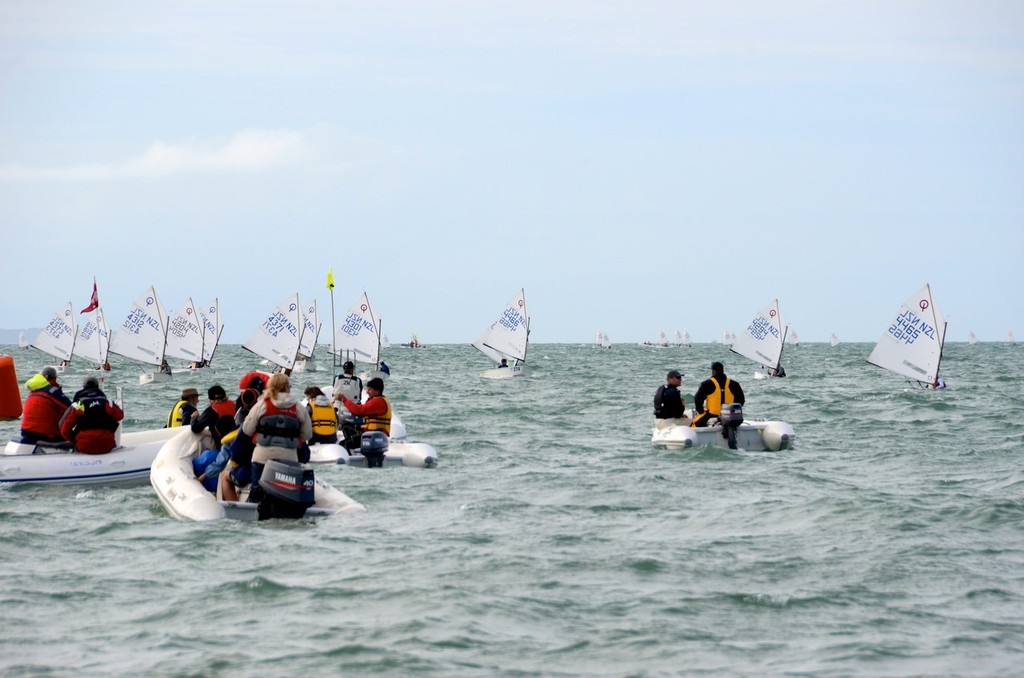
(93, 342)
(142, 337)
(662, 339)
(358, 338)
(794, 340)
(58, 337)
(310, 334)
(507, 339)
(727, 338)
(1009, 338)
(602, 340)
(912, 345)
(22, 341)
(209, 317)
(185, 334)
(763, 340)
(834, 340)
(972, 339)
(278, 337)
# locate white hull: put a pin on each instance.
(506, 372)
(129, 463)
(185, 498)
(753, 436)
(400, 453)
(154, 378)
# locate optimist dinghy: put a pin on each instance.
(128, 463)
(292, 490)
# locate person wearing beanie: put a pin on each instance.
(91, 421)
(219, 407)
(43, 409)
(712, 393)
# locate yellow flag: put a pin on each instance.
(330, 278)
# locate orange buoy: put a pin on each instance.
(10, 393)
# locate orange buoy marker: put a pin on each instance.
(10, 393)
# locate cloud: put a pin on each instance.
(245, 151)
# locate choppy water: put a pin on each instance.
(554, 540)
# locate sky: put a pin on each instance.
(635, 167)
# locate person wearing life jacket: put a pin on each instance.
(219, 407)
(669, 404)
(183, 410)
(277, 424)
(323, 416)
(43, 409)
(347, 384)
(210, 463)
(376, 411)
(91, 420)
(712, 393)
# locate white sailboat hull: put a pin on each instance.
(184, 497)
(127, 464)
(154, 378)
(506, 372)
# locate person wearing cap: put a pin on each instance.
(183, 410)
(43, 409)
(219, 407)
(712, 393)
(91, 421)
(376, 411)
(347, 384)
(669, 404)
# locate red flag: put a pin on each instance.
(94, 302)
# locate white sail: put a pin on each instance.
(185, 334)
(509, 336)
(311, 331)
(278, 337)
(1009, 337)
(912, 345)
(972, 339)
(686, 338)
(209, 316)
(58, 337)
(22, 341)
(384, 341)
(143, 334)
(93, 341)
(763, 339)
(833, 340)
(358, 337)
(794, 338)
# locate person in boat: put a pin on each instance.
(669, 404)
(278, 426)
(219, 407)
(712, 393)
(106, 366)
(91, 420)
(384, 367)
(183, 411)
(503, 363)
(65, 363)
(323, 415)
(245, 402)
(238, 471)
(164, 367)
(347, 384)
(376, 411)
(209, 465)
(939, 382)
(779, 371)
(43, 409)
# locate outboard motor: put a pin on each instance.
(350, 428)
(731, 418)
(373, 446)
(284, 489)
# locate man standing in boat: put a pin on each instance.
(712, 393)
(669, 404)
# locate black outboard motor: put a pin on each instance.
(373, 445)
(284, 489)
(731, 418)
(350, 428)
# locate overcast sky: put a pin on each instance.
(635, 166)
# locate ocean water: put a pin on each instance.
(553, 540)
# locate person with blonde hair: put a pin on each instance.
(277, 423)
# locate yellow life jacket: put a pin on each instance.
(175, 418)
(713, 403)
(379, 422)
(325, 419)
(231, 435)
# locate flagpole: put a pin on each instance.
(334, 347)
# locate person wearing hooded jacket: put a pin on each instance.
(43, 409)
(277, 422)
(91, 420)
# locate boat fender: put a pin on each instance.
(778, 435)
(10, 394)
